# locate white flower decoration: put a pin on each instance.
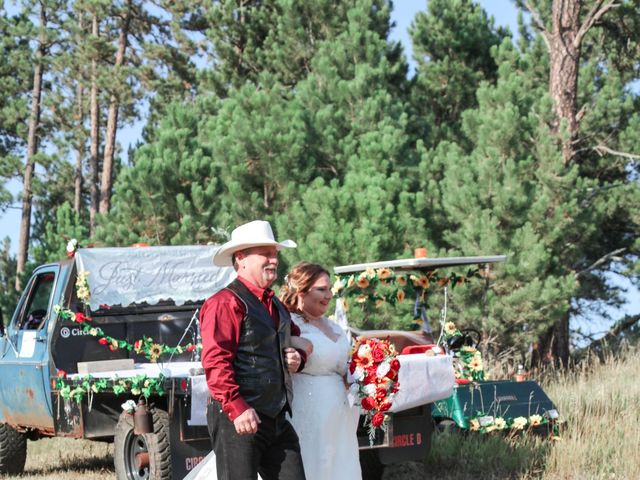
(364, 350)
(369, 389)
(72, 245)
(383, 369)
(129, 406)
(358, 374)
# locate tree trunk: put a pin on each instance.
(565, 43)
(553, 345)
(95, 135)
(77, 197)
(32, 149)
(564, 57)
(112, 119)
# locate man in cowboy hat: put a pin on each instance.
(247, 358)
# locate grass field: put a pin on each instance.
(600, 439)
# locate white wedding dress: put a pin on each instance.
(325, 422)
(322, 417)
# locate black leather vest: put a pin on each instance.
(260, 369)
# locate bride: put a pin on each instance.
(321, 414)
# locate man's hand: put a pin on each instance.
(292, 359)
(247, 422)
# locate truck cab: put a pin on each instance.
(25, 389)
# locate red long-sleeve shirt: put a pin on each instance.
(220, 323)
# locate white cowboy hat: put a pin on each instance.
(252, 234)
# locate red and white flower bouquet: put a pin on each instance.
(374, 367)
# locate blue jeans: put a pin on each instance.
(273, 451)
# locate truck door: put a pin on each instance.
(25, 392)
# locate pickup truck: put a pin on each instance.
(105, 346)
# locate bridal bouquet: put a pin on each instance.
(374, 367)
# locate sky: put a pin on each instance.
(504, 14)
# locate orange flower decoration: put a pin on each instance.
(384, 273)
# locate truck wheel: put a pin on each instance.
(13, 450)
(146, 456)
(372, 468)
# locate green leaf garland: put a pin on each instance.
(80, 387)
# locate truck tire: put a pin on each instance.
(13, 450)
(146, 456)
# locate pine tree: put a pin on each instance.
(56, 234)
(262, 142)
(277, 37)
(511, 194)
(16, 74)
(452, 43)
(590, 81)
(44, 39)
(258, 142)
(360, 208)
(169, 195)
(8, 293)
(515, 193)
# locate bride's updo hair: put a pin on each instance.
(298, 281)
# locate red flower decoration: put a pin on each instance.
(103, 341)
(81, 317)
(377, 419)
(191, 348)
(368, 403)
(62, 374)
(375, 367)
(378, 354)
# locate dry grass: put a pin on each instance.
(600, 439)
(64, 458)
(601, 405)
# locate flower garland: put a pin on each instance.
(468, 363)
(81, 387)
(385, 285)
(82, 287)
(146, 346)
(487, 423)
(374, 367)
